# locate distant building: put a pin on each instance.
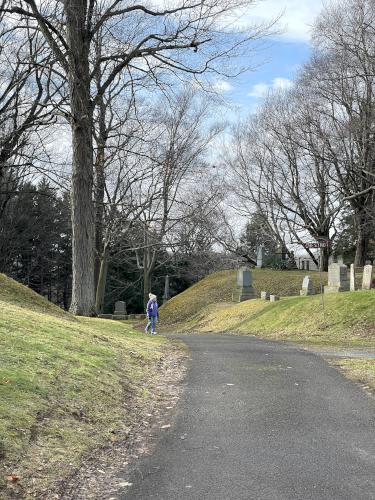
(306, 263)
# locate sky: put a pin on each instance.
(283, 56)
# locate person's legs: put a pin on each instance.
(153, 324)
(149, 323)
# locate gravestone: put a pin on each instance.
(274, 298)
(265, 295)
(105, 316)
(307, 286)
(244, 290)
(337, 279)
(166, 295)
(260, 256)
(367, 277)
(352, 278)
(120, 310)
(340, 259)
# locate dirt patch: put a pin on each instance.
(101, 475)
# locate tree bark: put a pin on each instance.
(361, 247)
(102, 281)
(146, 285)
(325, 259)
(83, 287)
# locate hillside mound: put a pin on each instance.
(218, 288)
(19, 295)
(338, 319)
(68, 387)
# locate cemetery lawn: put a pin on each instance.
(68, 387)
(348, 319)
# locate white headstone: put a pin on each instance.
(260, 256)
(166, 295)
(274, 298)
(307, 286)
(367, 277)
(352, 278)
(265, 295)
(337, 279)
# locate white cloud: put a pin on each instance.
(222, 86)
(297, 16)
(262, 89)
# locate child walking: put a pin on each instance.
(152, 314)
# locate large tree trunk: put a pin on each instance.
(83, 287)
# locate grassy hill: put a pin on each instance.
(333, 319)
(336, 320)
(64, 382)
(218, 288)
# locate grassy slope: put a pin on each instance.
(63, 384)
(218, 288)
(348, 318)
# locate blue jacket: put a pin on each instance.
(152, 309)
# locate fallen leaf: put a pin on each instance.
(166, 426)
(125, 483)
(13, 478)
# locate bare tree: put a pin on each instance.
(27, 102)
(278, 170)
(189, 37)
(341, 76)
(178, 155)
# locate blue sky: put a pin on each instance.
(283, 56)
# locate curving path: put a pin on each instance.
(262, 421)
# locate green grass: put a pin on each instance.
(64, 384)
(333, 318)
(346, 320)
(218, 288)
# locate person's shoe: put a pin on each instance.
(154, 333)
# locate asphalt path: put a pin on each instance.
(265, 421)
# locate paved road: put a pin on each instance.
(262, 421)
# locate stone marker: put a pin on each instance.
(367, 277)
(105, 316)
(340, 259)
(131, 316)
(120, 308)
(352, 278)
(307, 286)
(274, 298)
(337, 279)
(166, 295)
(244, 290)
(265, 295)
(260, 256)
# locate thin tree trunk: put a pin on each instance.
(325, 259)
(146, 285)
(83, 287)
(361, 248)
(99, 188)
(102, 281)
